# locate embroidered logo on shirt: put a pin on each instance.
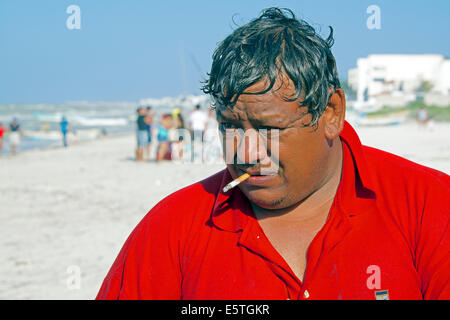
(382, 295)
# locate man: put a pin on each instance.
(198, 120)
(149, 122)
(15, 135)
(336, 220)
(65, 127)
(142, 133)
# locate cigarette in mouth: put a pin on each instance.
(235, 182)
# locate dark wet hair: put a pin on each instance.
(272, 45)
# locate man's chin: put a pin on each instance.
(265, 199)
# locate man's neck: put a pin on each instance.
(314, 209)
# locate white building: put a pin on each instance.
(396, 79)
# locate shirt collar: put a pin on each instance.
(232, 208)
(355, 193)
(351, 139)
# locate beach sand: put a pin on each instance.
(69, 210)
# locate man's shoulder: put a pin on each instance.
(390, 168)
(410, 194)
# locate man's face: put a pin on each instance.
(301, 163)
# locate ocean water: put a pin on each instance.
(88, 120)
(40, 122)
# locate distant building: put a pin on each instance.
(396, 79)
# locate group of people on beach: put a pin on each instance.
(177, 139)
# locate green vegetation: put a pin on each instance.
(425, 86)
(435, 112)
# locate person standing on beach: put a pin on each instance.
(163, 150)
(317, 215)
(422, 117)
(212, 152)
(65, 128)
(149, 122)
(2, 132)
(141, 133)
(15, 134)
(179, 132)
(198, 120)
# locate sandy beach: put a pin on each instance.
(69, 210)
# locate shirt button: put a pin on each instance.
(257, 237)
(306, 294)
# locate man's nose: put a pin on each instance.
(251, 148)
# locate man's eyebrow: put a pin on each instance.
(264, 121)
(269, 122)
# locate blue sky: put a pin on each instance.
(128, 50)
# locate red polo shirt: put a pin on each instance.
(386, 235)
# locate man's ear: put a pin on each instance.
(334, 115)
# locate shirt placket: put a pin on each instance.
(256, 242)
(325, 241)
(322, 245)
